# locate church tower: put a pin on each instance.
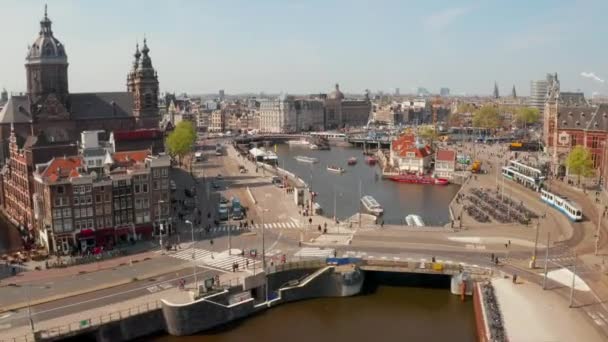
(47, 66)
(131, 75)
(144, 86)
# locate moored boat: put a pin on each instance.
(352, 161)
(301, 142)
(371, 160)
(415, 179)
(314, 146)
(334, 168)
(414, 220)
(371, 205)
(305, 159)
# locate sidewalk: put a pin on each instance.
(48, 274)
(126, 308)
(531, 314)
(42, 290)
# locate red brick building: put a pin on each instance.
(46, 122)
(570, 120)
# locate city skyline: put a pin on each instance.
(308, 47)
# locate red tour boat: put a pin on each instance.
(371, 160)
(352, 161)
(414, 179)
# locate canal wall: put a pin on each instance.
(217, 310)
(488, 318)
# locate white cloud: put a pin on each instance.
(440, 20)
(592, 76)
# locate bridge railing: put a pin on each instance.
(87, 323)
(429, 267)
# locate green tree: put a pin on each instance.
(427, 133)
(579, 162)
(180, 141)
(527, 115)
(464, 108)
(487, 117)
(455, 119)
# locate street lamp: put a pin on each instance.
(193, 256)
(264, 256)
(160, 230)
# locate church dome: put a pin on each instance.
(46, 45)
(336, 94)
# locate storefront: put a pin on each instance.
(144, 232)
(105, 238)
(86, 239)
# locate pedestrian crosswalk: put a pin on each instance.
(315, 252)
(225, 228)
(222, 260)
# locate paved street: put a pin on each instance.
(279, 228)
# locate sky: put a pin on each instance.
(306, 46)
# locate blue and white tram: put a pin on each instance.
(571, 209)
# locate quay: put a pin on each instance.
(182, 313)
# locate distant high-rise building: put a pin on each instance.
(513, 93)
(221, 94)
(496, 94)
(423, 92)
(4, 96)
(396, 91)
(538, 93)
(444, 92)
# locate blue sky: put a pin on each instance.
(305, 46)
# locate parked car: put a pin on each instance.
(172, 185)
(219, 176)
(215, 184)
(223, 200)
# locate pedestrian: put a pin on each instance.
(211, 242)
(515, 278)
(325, 225)
(492, 257)
(509, 243)
(433, 259)
(319, 228)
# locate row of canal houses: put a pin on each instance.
(410, 155)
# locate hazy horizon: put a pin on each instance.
(306, 47)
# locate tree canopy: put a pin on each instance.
(527, 115)
(463, 108)
(427, 133)
(579, 162)
(486, 117)
(180, 141)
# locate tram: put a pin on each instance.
(570, 209)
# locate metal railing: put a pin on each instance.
(318, 263)
(86, 323)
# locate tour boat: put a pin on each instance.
(414, 220)
(371, 205)
(305, 159)
(314, 146)
(414, 179)
(371, 160)
(317, 208)
(301, 142)
(352, 161)
(334, 168)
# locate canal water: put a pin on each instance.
(398, 199)
(388, 312)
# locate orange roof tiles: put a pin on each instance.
(130, 157)
(446, 155)
(62, 168)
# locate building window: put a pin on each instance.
(106, 197)
(594, 142)
(99, 223)
(146, 203)
(138, 204)
(108, 221)
(67, 226)
(155, 185)
(155, 173)
(165, 172)
(76, 213)
(99, 210)
(136, 188)
(164, 184)
(144, 188)
(67, 212)
(76, 200)
(108, 208)
(97, 198)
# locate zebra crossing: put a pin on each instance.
(315, 252)
(222, 260)
(235, 227)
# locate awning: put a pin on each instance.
(86, 233)
(147, 229)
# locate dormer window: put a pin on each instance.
(569, 113)
(564, 123)
(605, 114)
(583, 114)
(578, 123)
